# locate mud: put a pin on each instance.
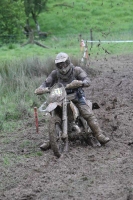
(26, 173)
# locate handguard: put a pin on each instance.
(74, 84)
(41, 90)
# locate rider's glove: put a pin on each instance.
(86, 83)
(74, 84)
(41, 90)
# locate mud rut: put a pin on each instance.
(84, 173)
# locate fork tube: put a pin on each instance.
(53, 113)
(64, 118)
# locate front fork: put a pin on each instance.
(64, 120)
(65, 125)
(63, 134)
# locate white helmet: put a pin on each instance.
(62, 62)
(61, 57)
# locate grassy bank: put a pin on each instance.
(72, 17)
(70, 45)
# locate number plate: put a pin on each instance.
(56, 92)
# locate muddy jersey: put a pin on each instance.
(75, 73)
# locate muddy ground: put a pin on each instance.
(85, 173)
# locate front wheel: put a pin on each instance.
(56, 141)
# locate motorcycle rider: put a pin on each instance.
(71, 76)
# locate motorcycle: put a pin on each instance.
(65, 122)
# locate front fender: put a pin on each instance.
(50, 107)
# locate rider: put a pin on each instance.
(70, 75)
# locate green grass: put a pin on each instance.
(74, 17)
(68, 45)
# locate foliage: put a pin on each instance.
(12, 17)
(33, 8)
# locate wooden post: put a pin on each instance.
(80, 36)
(36, 118)
(86, 55)
(91, 37)
(86, 50)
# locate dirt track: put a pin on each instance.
(84, 173)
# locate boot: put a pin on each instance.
(45, 146)
(88, 115)
(97, 132)
(102, 138)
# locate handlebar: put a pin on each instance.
(74, 84)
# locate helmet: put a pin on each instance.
(61, 57)
(62, 62)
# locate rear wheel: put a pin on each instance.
(56, 142)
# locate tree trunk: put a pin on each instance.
(32, 41)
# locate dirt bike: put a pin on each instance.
(65, 122)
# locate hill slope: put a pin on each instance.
(74, 17)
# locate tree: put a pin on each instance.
(12, 17)
(32, 9)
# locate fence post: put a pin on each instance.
(91, 37)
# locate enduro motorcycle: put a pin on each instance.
(65, 122)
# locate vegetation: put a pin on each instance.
(22, 69)
(108, 19)
(16, 16)
(12, 17)
(32, 10)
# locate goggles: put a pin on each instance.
(61, 65)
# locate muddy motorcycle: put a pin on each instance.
(65, 122)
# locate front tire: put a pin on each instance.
(56, 142)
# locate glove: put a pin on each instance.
(74, 84)
(86, 83)
(41, 90)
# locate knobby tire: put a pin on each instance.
(55, 145)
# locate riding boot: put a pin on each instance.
(97, 132)
(88, 115)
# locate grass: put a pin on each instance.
(19, 79)
(70, 45)
(74, 17)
